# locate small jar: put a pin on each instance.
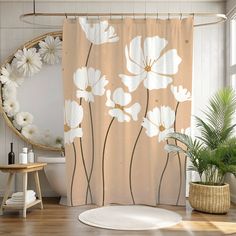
(31, 156)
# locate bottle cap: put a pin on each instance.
(25, 149)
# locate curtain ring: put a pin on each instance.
(168, 16)
(87, 16)
(145, 15)
(133, 15)
(66, 15)
(193, 15)
(181, 16)
(157, 15)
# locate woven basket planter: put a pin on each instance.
(209, 199)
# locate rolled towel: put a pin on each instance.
(10, 201)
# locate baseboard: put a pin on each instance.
(233, 198)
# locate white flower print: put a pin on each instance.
(152, 64)
(98, 33)
(73, 116)
(181, 94)
(23, 118)
(89, 83)
(9, 91)
(11, 107)
(27, 61)
(10, 75)
(119, 103)
(50, 50)
(159, 122)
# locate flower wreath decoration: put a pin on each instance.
(24, 63)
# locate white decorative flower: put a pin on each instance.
(30, 132)
(181, 94)
(46, 138)
(73, 117)
(150, 64)
(16, 125)
(98, 33)
(159, 122)
(50, 50)
(11, 107)
(186, 131)
(89, 83)
(10, 75)
(9, 91)
(119, 103)
(27, 61)
(58, 142)
(23, 118)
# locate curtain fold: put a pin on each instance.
(127, 84)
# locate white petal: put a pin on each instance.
(167, 116)
(93, 76)
(153, 47)
(98, 88)
(73, 113)
(70, 135)
(119, 114)
(168, 64)
(109, 102)
(133, 111)
(120, 97)
(88, 97)
(155, 116)
(151, 129)
(81, 78)
(132, 82)
(163, 134)
(155, 81)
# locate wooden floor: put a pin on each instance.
(57, 220)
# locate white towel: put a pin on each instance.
(29, 193)
(10, 201)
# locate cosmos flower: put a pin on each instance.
(50, 50)
(27, 61)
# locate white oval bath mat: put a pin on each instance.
(130, 217)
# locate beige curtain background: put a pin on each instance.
(127, 84)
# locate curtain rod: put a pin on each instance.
(221, 17)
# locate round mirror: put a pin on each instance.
(32, 92)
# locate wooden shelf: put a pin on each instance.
(20, 206)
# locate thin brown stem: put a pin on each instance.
(84, 165)
(162, 175)
(179, 159)
(103, 161)
(133, 151)
(73, 175)
(93, 148)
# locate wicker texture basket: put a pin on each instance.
(210, 199)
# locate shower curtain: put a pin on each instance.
(127, 84)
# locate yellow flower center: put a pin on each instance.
(89, 89)
(66, 128)
(117, 106)
(31, 132)
(162, 128)
(148, 68)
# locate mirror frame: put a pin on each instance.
(29, 44)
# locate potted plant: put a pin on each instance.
(212, 154)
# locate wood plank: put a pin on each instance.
(23, 166)
(62, 220)
(20, 206)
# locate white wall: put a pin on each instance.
(209, 48)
